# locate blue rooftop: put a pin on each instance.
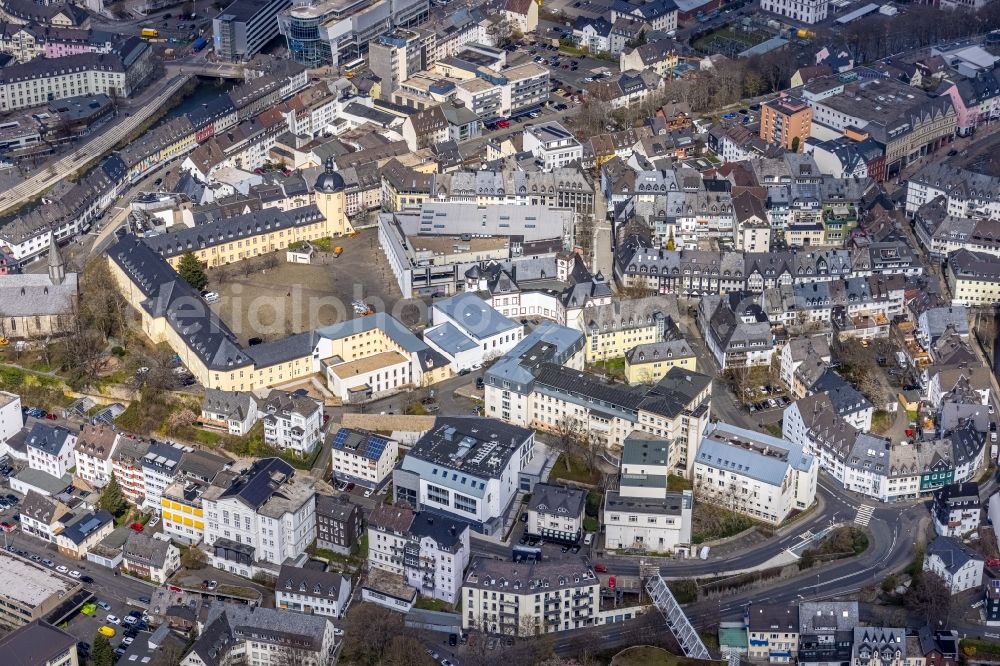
(471, 313)
(449, 339)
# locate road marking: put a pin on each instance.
(806, 535)
(864, 515)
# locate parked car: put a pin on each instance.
(600, 568)
(74, 573)
(106, 631)
(212, 584)
(113, 619)
(62, 568)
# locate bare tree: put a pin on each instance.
(930, 596)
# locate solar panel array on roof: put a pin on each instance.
(362, 443)
(256, 485)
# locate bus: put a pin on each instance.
(150, 33)
(353, 67)
(526, 554)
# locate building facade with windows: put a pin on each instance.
(94, 448)
(259, 515)
(530, 599)
(244, 27)
(466, 467)
(292, 422)
(50, 449)
(362, 457)
(339, 523)
(760, 476)
(311, 591)
(641, 514)
(556, 512)
(430, 552)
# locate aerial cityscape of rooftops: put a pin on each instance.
(499, 332)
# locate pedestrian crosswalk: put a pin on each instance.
(864, 515)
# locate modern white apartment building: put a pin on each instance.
(159, 467)
(93, 451)
(429, 551)
(258, 516)
(311, 591)
(641, 513)
(553, 145)
(466, 467)
(757, 475)
(50, 449)
(362, 457)
(468, 331)
(804, 11)
(11, 418)
(292, 421)
(509, 382)
(537, 385)
(529, 599)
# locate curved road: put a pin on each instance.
(93, 150)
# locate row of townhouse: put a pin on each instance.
(639, 264)
(943, 233)
(31, 40)
(119, 72)
(787, 195)
(872, 465)
(74, 207)
(819, 632)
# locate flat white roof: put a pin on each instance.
(29, 584)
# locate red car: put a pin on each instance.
(6, 527)
(138, 527)
(504, 124)
(51, 417)
(600, 568)
(909, 432)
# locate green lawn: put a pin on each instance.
(577, 471)
(613, 367)
(712, 522)
(971, 648)
(644, 655)
(882, 421)
(676, 483)
(426, 603)
(572, 50)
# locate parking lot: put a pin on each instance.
(111, 592)
(765, 398)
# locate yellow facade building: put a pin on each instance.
(172, 312)
(612, 330)
(649, 363)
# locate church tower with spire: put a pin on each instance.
(57, 268)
